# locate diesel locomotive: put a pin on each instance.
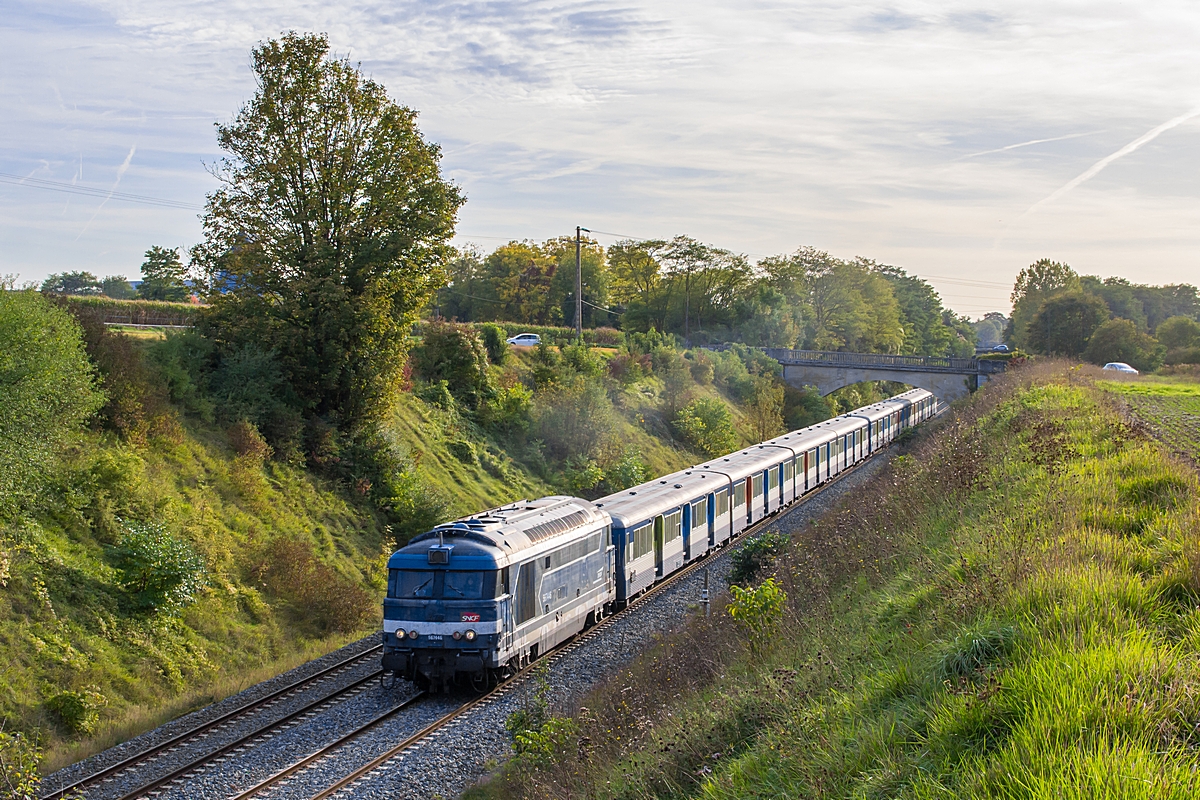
(478, 598)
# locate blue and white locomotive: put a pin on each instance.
(481, 597)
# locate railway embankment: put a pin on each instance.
(1009, 609)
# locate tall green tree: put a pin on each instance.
(594, 271)
(1035, 284)
(330, 230)
(1063, 325)
(1120, 340)
(638, 283)
(83, 283)
(164, 277)
(116, 287)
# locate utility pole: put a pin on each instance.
(579, 285)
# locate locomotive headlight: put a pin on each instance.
(470, 636)
(412, 634)
(456, 635)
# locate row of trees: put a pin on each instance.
(164, 277)
(1058, 311)
(808, 299)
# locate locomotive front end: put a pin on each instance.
(442, 617)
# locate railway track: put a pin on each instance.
(177, 742)
(344, 787)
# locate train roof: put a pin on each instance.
(646, 500)
(491, 539)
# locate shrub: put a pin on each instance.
(756, 555)
(248, 443)
(629, 471)
(546, 363)
(508, 410)
(706, 425)
(626, 368)
(494, 342)
(19, 759)
(184, 360)
(47, 392)
(453, 353)
(1183, 355)
(702, 370)
(437, 394)
(583, 360)
(1178, 332)
(464, 451)
(758, 611)
(248, 384)
(77, 712)
(317, 592)
(582, 475)
(604, 337)
(1120, 340)
(574, 418)
(157, 571)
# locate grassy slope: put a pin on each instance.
(1011, 611)
(61, 623)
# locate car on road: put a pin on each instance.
(1120, 366)
(1000, 348)
(525, 340)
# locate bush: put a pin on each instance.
(582, 475)
(627, 368)
(248, 443)
(454, 354)
(756, 555)
(184, 358)
(706, 425)
(494, 342)
(47, 392)
(583, 360)
(629, 471)
(758, 611)
(1183, 355)
(575, 418)
(19, 759)
(317, 592)
(1178, 332)
(464, 451)
(1120, 340)
(157, 571)
(77, 712)
(508, 410)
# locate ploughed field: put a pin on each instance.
(1170, 410)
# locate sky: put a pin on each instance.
(959, 141)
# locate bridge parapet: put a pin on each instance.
(877, 360)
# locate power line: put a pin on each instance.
(89, 191)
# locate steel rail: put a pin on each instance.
(567, 647)
(182, 738)
(287, 772)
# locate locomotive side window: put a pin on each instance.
(527, 592)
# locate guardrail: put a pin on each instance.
(832, 358)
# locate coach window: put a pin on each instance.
(672, 525)
(700, 513)
(739, 494)
(722, 503)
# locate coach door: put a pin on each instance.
(658, 545)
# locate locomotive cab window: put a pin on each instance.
(411, 583)
(464, 585)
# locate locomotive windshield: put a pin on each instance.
(445, 584)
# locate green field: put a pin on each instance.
(1009, 611)
(1170, 409)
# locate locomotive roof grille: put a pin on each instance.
(554, 527)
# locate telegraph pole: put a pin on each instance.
(579, 285)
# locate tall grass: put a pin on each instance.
(1012, 609)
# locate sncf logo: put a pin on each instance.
(470, 617)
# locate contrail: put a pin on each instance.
(1094, 169)
(120, 172)
(1026, 144)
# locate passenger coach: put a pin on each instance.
(483, 596)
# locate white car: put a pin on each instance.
(525, 340)
(1120, 366)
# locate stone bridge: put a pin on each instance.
(948, 378)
